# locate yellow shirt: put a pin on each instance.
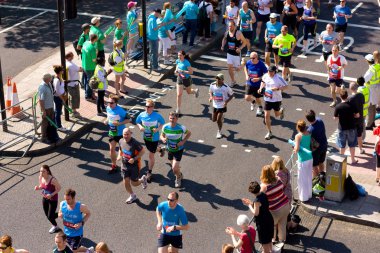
(286, 41)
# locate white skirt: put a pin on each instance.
(305, 180)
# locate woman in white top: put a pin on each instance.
(59, 96)
(263, 12)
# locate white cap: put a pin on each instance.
(242, 220)
(273, 15)
(95, 20)
(369, 57)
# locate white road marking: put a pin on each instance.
(201, 141)
(313, 73)
(333, 137)
(353, 25)
(299, 109)
(224, 146)
(248, 150)
(213, 58)
(26, 20)
(53, 10)
(322, 113)
(356, 7)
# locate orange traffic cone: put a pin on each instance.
(8, 101)
(15, 106)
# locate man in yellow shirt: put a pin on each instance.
(285, 43)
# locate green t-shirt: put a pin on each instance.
(286, 42)
(119, 34)
(82, 39)
(96, 30)
(88, 55)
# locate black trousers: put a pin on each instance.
(100, 101)
(205, 26)
(50, 208)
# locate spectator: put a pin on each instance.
(6, 245)
(61, 243)
(165, 39)
(191, 11)
(46, 100)
(132, 27)
(73, 84)
(95, 23)
(89, 64)
(82, 39)
(120, 34)
(152, 36)
(228, 248)
(101, 76)
(305, 161)
(246, 242)
(283, 174)
(119, 68)
(357, 101)
(279, 204)
(263, 218)
(169, 21)
(205, 23)
(59, 96)
(102, 247)
(318, 133)
(372, 80)
(345, 113)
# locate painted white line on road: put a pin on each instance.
(248, 150)
(22, 22)
(201, 141)
(322, 113)
(354, 25)
(356, 7)
(52, 10)
(299, 109)
(224, 146)
(213, 58)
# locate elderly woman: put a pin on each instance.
(263, 218)
(247, 236)
(283, 174)
(279, 205)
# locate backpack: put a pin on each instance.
(202, 14)
(94, 83)
(350, 188)
(111, 60)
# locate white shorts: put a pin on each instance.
(172, 42)
(166, 44)
(233, 60)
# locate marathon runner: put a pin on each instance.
(328, 38)
(231, 13)
(150, 123)
(290, 16)
(341, 15)
(61, 243)
(263, 11)
(246, 20)
(309, 25)
(272, 85)
(336, 64)
(273, 29)
(220, 95)
(254, 70)
(235, 43)
(130, 154)
(175, 136)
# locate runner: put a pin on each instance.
(6, 245)
(50, 188)
(150, 123)
(309, 25)
(220, 95)
(273, 29)
(273, 85)
(175, 136)
(254, 71)
(246, 20)
(285, 43)
(336, 64)
(117, 117)
(235, 43)
(171, 221)
(262, 16)
(328, 38)
(130, 154)
(299, 5)
(74, 215)
(231, 13)
(184, 81)
(290, 16)
(341, 15)
(61, 243)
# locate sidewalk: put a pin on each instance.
(364, 210)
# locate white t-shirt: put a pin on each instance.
(334, 66)
(264, 10)
(73, 72)
(275, 82)
(209, 8)
(300, 3)
(220, 94)
(232, 14)
(59, 87)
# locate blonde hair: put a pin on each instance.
(267, 175)
(278, 164)
(103, 247)
(149, 102)
(167, 5)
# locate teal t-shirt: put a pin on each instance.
(162, 30)
(305, 143)
(150, 121)
(117, 114)
(183, 65)
(131, 24)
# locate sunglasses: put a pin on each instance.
(171, 200)
(149, 106)
(253, 58)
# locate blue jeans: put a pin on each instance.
(58, 111)
(153, 47)
(87, 88)
(192, 26)
(347, 137)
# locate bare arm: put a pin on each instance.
(85, 211)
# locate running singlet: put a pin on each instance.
(150, 121)
(263, 10)
(49, 189)
(220, 94)
(171, 217)
(232, 44)
(130, 150)
(255, 71)
(334, 72)
(70, 218)
(273, 30)
(183, 65)
(308, 12)
(117, 114)
(340, 13)
(286, 41)
(174, 135)
(245, 17)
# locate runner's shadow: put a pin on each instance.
(250, 142)
(152, 204)
(87, 242)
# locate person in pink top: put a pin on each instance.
(247, 236)
(50, 188)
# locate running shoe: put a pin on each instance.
(268, 136)
(90, 250)
(113, 169)
(162, 151)
(256, 41)
(234, 84)
(144, 182)
(132, 198)
(178, 181)
(259, 112)
(196, 94)
(333, 104)
(253, 104)
(290, 77)
(248, 53)
(282, 113)
(149, 177)
(218, 135)
(54, 229)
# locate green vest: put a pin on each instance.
(365, 91)
(101, 84)
(119, 67)
(375, 69)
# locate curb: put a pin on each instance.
(315, 211)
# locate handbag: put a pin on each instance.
(250, 241)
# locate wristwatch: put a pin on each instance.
(175, 227)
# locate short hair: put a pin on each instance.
(176, 195)
(354, 86)
(70, 192)
(285, 27)
(301, 125)
(360, 81)
(343, 94)
(173, 113)
(93, 37)
(69, 55)
(335, 47)
(267, 175)
(228, 248)
(254, 187)
(310, 115)
(47, 168)
(149, 101)
(61, 234)
(114, 98)
(57, 68)
(242, 220)
(102, 246)
(7, 240)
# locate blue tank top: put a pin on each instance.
(244, 18)
(308, 13)
(70, 218)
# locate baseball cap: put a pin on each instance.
(131, 4)
(272, 68)
(85, 26)
(220, 76)
(158, 10)
(369, 57)
(273, 15)
(95, 20)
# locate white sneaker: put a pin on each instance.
(54, 229)
(90, 250)
(62, 129)
(131, 199)
(290, 77)
(218, 135)
(253, 106)
(144, 182)
(282, 113)
(196, 94)
(268, 136)
(178, 181)
(259, 111)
